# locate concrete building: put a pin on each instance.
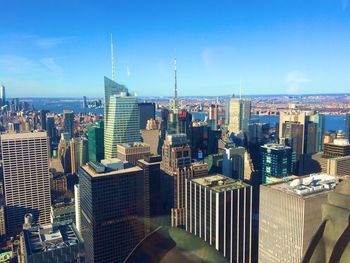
(219, 210)
(51, 244)
(26, 178)
(347, 126)
(239, 115)
(233, 162)
(339, 147)
(2, 221)
(290, 214)
(152, 138)
(132, 152)
(112, 210)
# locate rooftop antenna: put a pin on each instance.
(112, 54)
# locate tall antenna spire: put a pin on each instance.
(112, 54)
(175, 87)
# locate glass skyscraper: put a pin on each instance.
(277, 161)
(96, 141)
(68, 117)
(122, 118)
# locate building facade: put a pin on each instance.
(239, 115)
(219, 210)
(26, 178)
(96, 141)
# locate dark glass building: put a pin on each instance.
(277, 161)
(68, 117)
(147, 111)
(96, 141)
(112, 210)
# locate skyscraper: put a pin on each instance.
(84, 102)
(239, 115)
(277, 162)
(43, 119)
(96, 141)
(26, 177)
(219, 210)
(233, 162)
(112, 209)
(68, 118)
(122, 119)
(132, 152)
(147, 111)
(290, 214)
(347, 126)
(2, 95)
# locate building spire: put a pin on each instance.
(112, 55)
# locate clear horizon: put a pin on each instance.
(63, 49)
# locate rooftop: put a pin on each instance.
(23, 135)
(219, 183)
(133, 145)
(306, 186)
(93, 173)
(49, 237)
(275, 146)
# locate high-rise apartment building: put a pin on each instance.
(147, 111)
(277, 162)
(132, 152)
(68, 118)
(96, 141)
(239, 115)
(219, 210)
(122, 123)
(112, 209)
(290, 214)
(26, 177)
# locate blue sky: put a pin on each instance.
(62, 48)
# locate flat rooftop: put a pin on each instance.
(133, 145)
(219, 183)
(23, 135)
(307, 186)
(49, 237)
(93, 173)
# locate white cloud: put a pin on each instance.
(16, 64)
(52, 66)
(51, 42)
(294, 79)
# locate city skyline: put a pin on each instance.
(274, 48)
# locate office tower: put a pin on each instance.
(77, 207)
(339, 166)
(112, 209)
(347, 126)
(219, 210)
(277, 161)
(303, 131)
(164, 124)
(330, 243)
(147, 111)
(122, 118)
(2, 221)
(26, 177)
(180, 122)
(84, 102)
(340, 147)
(68, 118)
(290, 214)
(64, 154)
(43, 119)
(152, 198)
(2, 95)
(213, 116)
(79, 153)
(227, 111)
(199, 140)
(50, 128)
(176, 153)
(132, 152)
(233, 162)
(96, 141)
(54, 243)
(239, 115)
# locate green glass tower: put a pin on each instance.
(96, 141)
(122, 118)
